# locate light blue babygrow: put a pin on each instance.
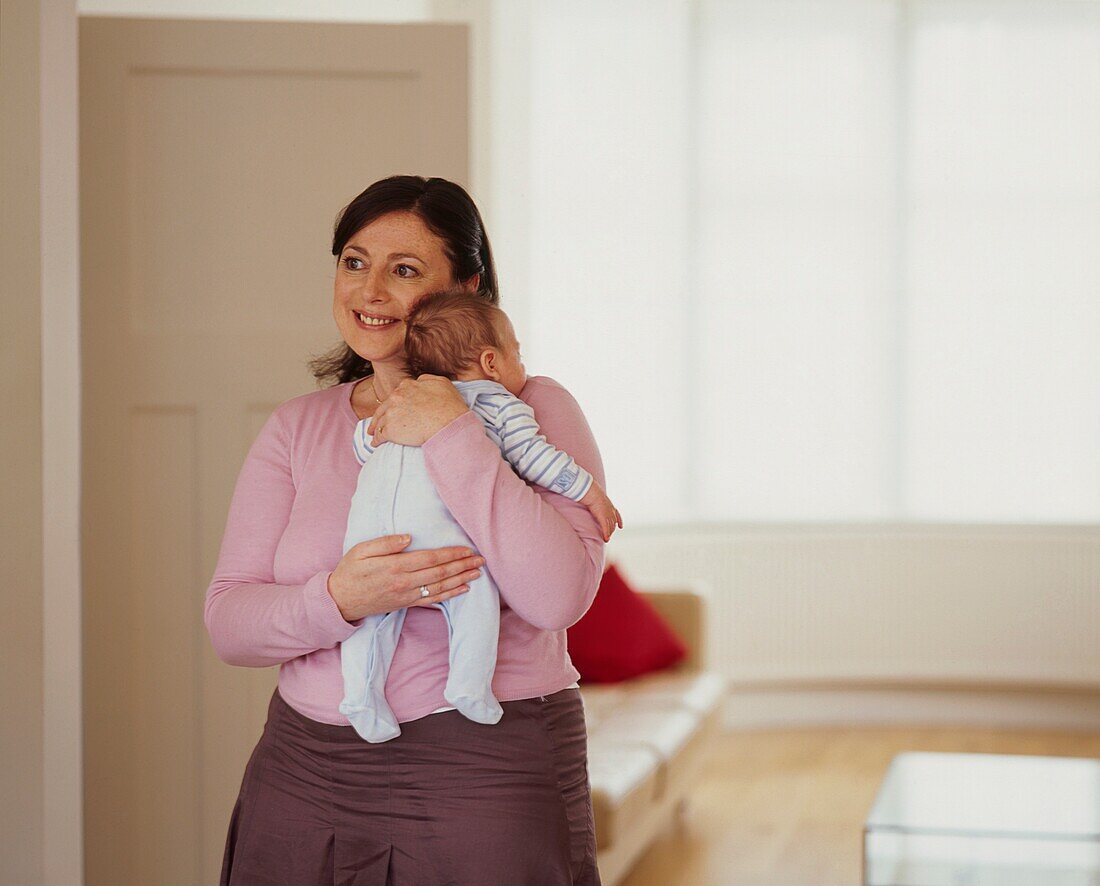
(395, 494)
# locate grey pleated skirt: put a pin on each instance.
(449, 802)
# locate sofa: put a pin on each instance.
(649, 738)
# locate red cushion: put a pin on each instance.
(622, 635)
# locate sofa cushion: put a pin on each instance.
(698, 691)
(624, 785)
(621, 635)
(664, 731)
(683, 770)
(600, 700)
(647, 738)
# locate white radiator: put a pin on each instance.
(909, 605)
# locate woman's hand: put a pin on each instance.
(374, 576)
(415, 410)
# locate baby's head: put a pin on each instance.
(463, 336)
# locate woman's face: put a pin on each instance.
(381, 272)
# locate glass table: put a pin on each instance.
(984, 820)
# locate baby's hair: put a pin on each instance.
(446, 331)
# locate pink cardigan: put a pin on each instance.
(268, 602)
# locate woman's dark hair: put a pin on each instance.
(449, 213)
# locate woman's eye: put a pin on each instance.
(402, 268)
(348, 263)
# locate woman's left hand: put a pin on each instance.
(415, 410)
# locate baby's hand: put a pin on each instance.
(606, 514)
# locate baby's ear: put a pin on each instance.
(488, 360)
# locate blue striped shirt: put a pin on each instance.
(510, 423)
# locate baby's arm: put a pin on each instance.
(537, 460)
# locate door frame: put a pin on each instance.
(62, 593)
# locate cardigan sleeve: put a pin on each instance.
(252, 621)
(544, 551)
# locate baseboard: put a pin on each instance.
(769, 707)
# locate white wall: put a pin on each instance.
(794, 605)
(270, 10)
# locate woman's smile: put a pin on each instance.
(374, 321)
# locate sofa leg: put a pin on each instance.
(679, 817)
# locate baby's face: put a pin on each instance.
(510, 365)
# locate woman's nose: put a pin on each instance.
(374, 287)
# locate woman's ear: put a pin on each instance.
(473, 283)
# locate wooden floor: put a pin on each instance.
(786, 808)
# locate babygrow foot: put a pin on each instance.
(476, 708)
(372, 724)
(372, 728)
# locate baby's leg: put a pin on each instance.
(473, 623)
(473, 618)
(366, 655)
(365, 659)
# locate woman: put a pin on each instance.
(449, 801)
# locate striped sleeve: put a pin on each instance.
(533, 457)
(360, 441)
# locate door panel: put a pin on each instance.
(215, 156)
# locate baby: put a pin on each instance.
(463, 337)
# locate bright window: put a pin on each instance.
(846, 252)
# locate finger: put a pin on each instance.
(437, 598)
(384, 544)
(379, 411)
(414, 561)
(447, 575)
(439, 591)
(379, 433)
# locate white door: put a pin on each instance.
(215, 156)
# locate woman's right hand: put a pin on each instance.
(376, 576)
